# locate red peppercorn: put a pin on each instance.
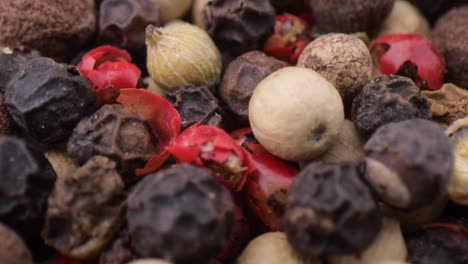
(212, 147)
(410, 55)
(162, 117)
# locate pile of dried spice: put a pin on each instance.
(234, 131)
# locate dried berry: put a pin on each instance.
(331, 211)
(181, 214)
(123, 22)
(8, 68)
(439, 243)
(448, 104)
(172, 10)
(239, 26)
(343, 60)
(47, 99)
(350, 16)
(281, 118)
(448, 35)
(6, 123)
(84, 209)
(410, 55)
(27, 179)
(196, 105)
(12, 249)
(119, 253)
(458, 188)
(405, 18)
(242, 76)
(181, 55)
(56, 28)
(213, 148)
(240, 235)
(388, 99)
(61, 162)
(348, 145)
(409, 163)
(117, 132)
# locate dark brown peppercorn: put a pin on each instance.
(409, 163)
(120, 251)
(196, 105)
(123, 22)
(12, 249)
(180, 214)
(85, 209)
(242, 77)
(26, 180)
(331, 211)
(118, 133)
(438, 243)
(238, 26)
(47, 99)
(449, 35)
(6, 123)
(350, 16)
(388, 99)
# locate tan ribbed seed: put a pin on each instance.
(182, 55)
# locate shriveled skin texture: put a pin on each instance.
(180, 214)
(118, 133)
(449, 35)
(343, 60)
(85, 209)
(350, 16)
(123, 23)
(196, 105)
(420, 156)
(26, 181)
(12, 249)
(238, 26)
(388, 99)
(242, 76)
(448, 104)
(56, 28)
(47, 99)
(8, 68)
(330, 210)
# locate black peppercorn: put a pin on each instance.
(350, 16)
(117, 132)
(123, 22)
(331, 211)
(180, 214)
(409, 163)
(8, 68)
(388, 99)
(85, 209)
(6, 123)
(26, 180)
(242, 77)
(196, 105)
(12, 249)
(47, 99)
(449, 35)
(238, 26)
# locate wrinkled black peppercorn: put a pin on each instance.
(238, 26)
(388, 99)
(85, 209)
(409, 163)
(12, 249)
(331, 211)
(26, 180)
(350, 16)
(47, 99)
(438, 243)
(180, 214)
(8, 68)
(242, 77)
(123, 22)
(196, 105)
(118, 133)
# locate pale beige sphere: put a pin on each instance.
(173, 9)
(197, 12)
(296, 114)
(405, 18)
(271, 248)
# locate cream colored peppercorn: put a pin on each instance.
(405, 18)
(296, 114)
